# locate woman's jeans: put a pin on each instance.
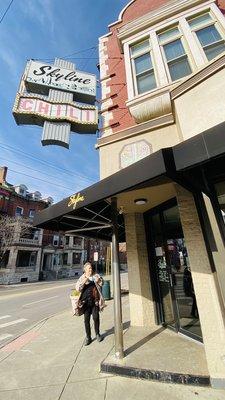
(94, 311)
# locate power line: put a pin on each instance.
(7, 9)
(66, 56)
(33, 169)
(39, 179)
(13, 149)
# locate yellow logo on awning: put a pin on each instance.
(74, 199)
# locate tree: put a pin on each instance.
(11, 229)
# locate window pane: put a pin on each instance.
(146, 82)
(143, 63)
(140, 47)
(170, 34)
(174, 50)
(214, 51)
(194, 22)
(208, 35)
(179, 69)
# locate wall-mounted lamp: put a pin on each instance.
(140, 202)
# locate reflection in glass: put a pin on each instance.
(174, 276)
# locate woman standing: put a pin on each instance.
(89, 285)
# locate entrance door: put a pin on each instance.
(174, 286)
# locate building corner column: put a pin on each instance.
(142, 310)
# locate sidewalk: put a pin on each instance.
(50, 362)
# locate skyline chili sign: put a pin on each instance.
(39, 77)
(59, 98)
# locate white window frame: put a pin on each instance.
(21, 208)
(194, 51)
(169, 40)
(55, 240)
(214, 21)
(139, 54)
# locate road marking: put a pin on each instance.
(6, 336)
(39, 301)
(11, 296)
(5, 316)
(16, 321)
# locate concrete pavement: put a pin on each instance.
(50, 362)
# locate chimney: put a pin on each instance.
(3, 173)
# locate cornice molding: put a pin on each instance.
(153, 17)
(136, 130)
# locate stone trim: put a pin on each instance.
(136, 130)
(151, 105)
(149, 374)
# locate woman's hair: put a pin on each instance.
(87, 264)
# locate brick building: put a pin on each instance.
(23, 258)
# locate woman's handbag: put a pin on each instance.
(77, 304)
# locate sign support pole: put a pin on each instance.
(55, 132)
(119, 352)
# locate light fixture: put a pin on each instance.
(140, 202)
(121, 210)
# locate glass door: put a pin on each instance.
(177, 302)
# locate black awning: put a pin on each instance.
(91, 207)
(200, 148)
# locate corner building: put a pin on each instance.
(163, 86)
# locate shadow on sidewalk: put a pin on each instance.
(143, 341)
(110, 331)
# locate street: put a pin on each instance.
(24, 305)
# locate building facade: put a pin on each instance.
(162, 158)
(23, 256)
(162, 70)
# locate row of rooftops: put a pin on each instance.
(21, 189)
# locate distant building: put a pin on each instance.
(23, 260)
(41, 254)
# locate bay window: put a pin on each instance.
(208, 35)
(142, 66)
(167, 53)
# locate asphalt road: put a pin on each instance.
(24, 305)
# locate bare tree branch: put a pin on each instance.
(11, 229)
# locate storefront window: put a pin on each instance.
(220, 191)
(173, 272)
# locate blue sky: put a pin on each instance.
(44, 29)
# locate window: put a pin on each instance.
(76, 258)
(55, 240)
(174, 53)
(67, 240)
(143, 71)
(31, 213)
(33, 258)
(204, 27)
(19, 211)
(65, 258)
(77, 241)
